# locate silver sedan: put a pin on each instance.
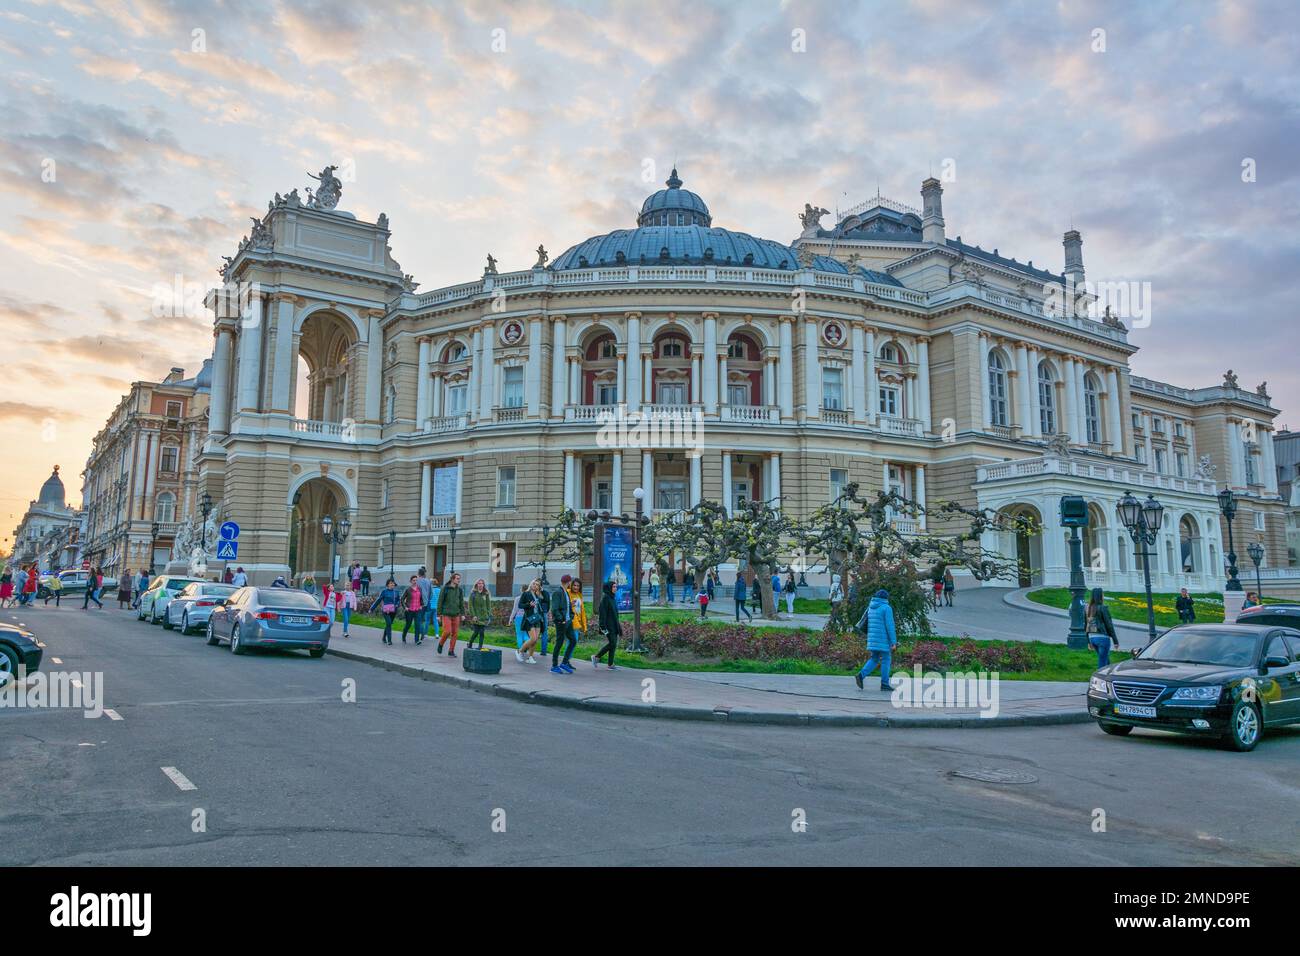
(191, 608)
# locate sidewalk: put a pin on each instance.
(719, 697)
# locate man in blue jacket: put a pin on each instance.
(877, 624)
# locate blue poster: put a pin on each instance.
(616, 564)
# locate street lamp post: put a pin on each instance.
(153, 543)
(639, 495)
(1228, 505)
(1142, 519)
(453, 550)
(392, 554)
(335, 532)
(1074, 515)
(546, 533)
(1256, 552)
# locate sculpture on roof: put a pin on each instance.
(1230, 379)
(330, 191)
(261, 237)
(1058, 445)
(1262, 391)
(811, 219)
(382, 221)
(805, 257)
(1205, 468)
(491, 268)
(542, 258)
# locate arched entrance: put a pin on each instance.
(323, 388)
(1189, 545)
(309, 550)
(1027, 549)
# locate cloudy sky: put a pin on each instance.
(138, 136)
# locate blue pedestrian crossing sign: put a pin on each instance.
(228, 531)
(227, 550)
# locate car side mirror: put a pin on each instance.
(1271, 662)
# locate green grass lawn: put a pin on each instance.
(1056, 661)
(1132, 606)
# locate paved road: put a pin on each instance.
(289, 774)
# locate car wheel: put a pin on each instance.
(1115, 730)
(153, 614)
(185, 623)
(167, 621)
(1245, 727)
(8, 665)
(235, 646)
(213, 640)
(317, 652)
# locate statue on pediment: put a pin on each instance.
(330, 191)
(261, 238)
(409, 283)
(1262, 391)
(810, 218)
(1058, 445)
(491, 268)
(1205, 468)
(853, 260)
(805, 257)
(382, 221)
(542, 258)
(1230, 379)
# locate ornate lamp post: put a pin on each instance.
(392, 554)
(1074, 515)
(453, 550)
(546, 533)
(639, 495)
(1142, 519)
(1256, 552)
(153, 542)
(1228, 505)
(335, 533)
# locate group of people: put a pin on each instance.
(536, 611)
(424, 602)
(18, 588)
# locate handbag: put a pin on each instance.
(389, 608)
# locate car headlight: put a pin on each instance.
(1201, 694)
(1099, 686)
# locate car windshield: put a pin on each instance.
(179, 584)
(284, 597)
(219, 590)
(1225, 647)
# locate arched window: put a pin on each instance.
(889, 353)
(671, 348)
(164, 509)
(736, 349)
(1046, 399)
(455, 352)
(1189, 543)
(1091, 410)
(998, 390)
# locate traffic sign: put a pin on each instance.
(229, 530)
(227, 550)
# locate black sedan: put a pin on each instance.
(1224, 680)
(19, 653)
(270, 617)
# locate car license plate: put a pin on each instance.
(296, 620)
(1134, 710)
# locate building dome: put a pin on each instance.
(674, 206)
(52, 492)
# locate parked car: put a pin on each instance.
(74, 582)
(18, 649)
(1277, 615)
(154, 601)
(1224, 680)
(270, 617)
(191, 608)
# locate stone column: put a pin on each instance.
(647, 377)
(250, 354)
(812, 375)
(920, 493)
(695, 376)
(769, 382)
(1236, 464)
(282, 378)
(460, 473)
(726, 482)
(1081, 402)
(1023, 387)
(1114, 423)
(776, 479)
(648, 481)
(487, 374)
(872, 383)
(575, 397)
(786, 367)
(923, 382)
(985, 416)
(374, 368)
(1268, 460)
(616, 482)
(533, 374)
(720, 359)
(569, 485)
(473, 400)
(559, 367)
(436, 390)
(708, 363)
(696, 483)
(622, 382)
(219, 417)
(858, 389)
(1071, 410)
(426, 491)
(632, 365)
(422, 385)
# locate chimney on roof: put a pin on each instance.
(932, 211)
(1073, 243)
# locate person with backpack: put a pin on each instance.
(532, 619)
(607, 621)
(740, 594)
(703, 598)
(389, 599)
(1100, 628)
(480, 612)
(877, 625)
(451, 610)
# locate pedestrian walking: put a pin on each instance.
(544, 600)
(877, 625)
(949, 586)
(327, 601)
(703, 599)
(532, 618)
(95, 587)
(688, 586)
(711, 584)
(1099, 627)
(668, 575)
(1185, 607)
(756, 596)
(126, 590)
(936, 588)
(562, 618)
(412, 602)
(433, 621)
(228, 576)
(654, 584)
(389, 600)
(480, 612)
(55, 590)
(607, 621)
(451, 611)
(579, 611)
(21, 585)
(517, 621)
(426, 595)
(6, 588)
(365, 581)
(240, 578)
(346, 601)
(355, 575)
(789, 589)
(141, 585)
(740, 593)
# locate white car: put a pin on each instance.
(190, 609)
(154, 601)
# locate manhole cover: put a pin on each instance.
(996, 775)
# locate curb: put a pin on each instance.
(719, 715)
(1017, 600)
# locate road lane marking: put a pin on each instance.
(178, 778)
(112, 714)
(76, 683)
(56, 660)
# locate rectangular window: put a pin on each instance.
(737, 394)
(173, 409)
(739, 491)
(839, 478)
(672, 393)
(512, 387)
(384, 492)
(606, 393)
(670, 494)
(1250, 463)
(446, 481)
(1180, 463)
(1178, 430)
(603, 497)
(456, 396)
(1137, 420)
(1158, 424)
(1259, 521)
(1160, 461)
(832, 388)
(1141, 454)
(506, 487)
(170, 459)
(889, 401)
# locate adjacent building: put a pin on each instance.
(697, 361)
(48, 533)
(138, 487)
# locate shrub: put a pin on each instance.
(901, 579)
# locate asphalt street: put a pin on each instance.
(287, 772)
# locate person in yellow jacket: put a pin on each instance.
(579, 610)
